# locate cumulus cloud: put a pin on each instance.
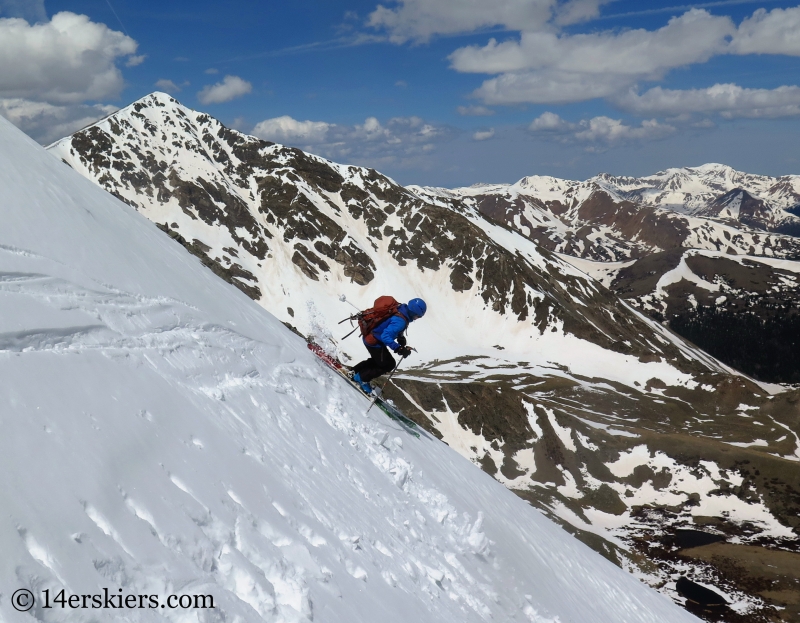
(773, 32)
(543, 67)
(547, 66)
(47, 123)
(727, 100)
(290, 131)
(29, 10)
(134, 61)
(419, 20)
(576, 11)
(550, 122)
(692, 37)
(483, 135)
(475, 111)
(607, 131)
(230, 88)
(399, 140)
(168, 86)
(599, 133)
(550, 87)
(68, 60)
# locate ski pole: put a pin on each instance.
(343, 299)
(374, 400)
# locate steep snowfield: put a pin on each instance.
(163, 434)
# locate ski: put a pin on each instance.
(384, 405)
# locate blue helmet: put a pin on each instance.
(417, 307)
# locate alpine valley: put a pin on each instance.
(551, 355)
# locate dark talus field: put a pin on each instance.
(545, 358)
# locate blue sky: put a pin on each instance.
(437, 92)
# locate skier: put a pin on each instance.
(388, 334)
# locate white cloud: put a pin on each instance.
(475, 111)
(134, 61)
(611, 132)
(47, 123)
(550, 87)
(548, 67)
(773, 32)
(287, 130)
(398, 141)
(167, 85)
(483, 135)
(543, 67)
(727, 100)
(693, 37)
(67, 60)
(30, 10)
(230, 88)
(211, 71)
(549, 122)
(419, 20)
(599, 133)
(576, 11)
(402, 84)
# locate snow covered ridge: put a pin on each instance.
(164, 434)
(689, 190)
(590, 221)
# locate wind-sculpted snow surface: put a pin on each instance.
(162, 434)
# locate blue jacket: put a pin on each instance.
(386, 332)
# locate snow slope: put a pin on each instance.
(164, 434)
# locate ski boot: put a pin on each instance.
(365, 387)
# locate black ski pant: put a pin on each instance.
(380, 362)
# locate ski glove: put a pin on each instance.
(403, 351)
(401, 339)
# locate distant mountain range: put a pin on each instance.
(534, 361)
(631, 232)
(607, 218)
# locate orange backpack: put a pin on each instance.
(383, 308)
